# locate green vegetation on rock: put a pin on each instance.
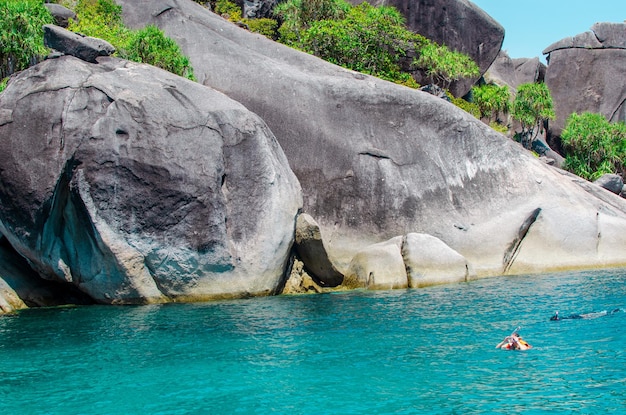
(368, 39)
(227, 9)
(103, 19)
(297, 16)
(444, 66)
(465, 105)
(492, 100)
(21, 34)
(150, 45)
(594, 145)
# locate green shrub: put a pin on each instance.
(466, 106)
(499, 127)
(492, 100)
(3, 84)
(21, 34)
(229, 9)
(372, 40)
(532, 107)
(266, 27)
(594, 146)
(444, 66)
(150, 45)
(103, 19)
(369, 39)
(298, 15)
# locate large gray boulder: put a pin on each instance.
(586, 73)
(136, 185)
(377, 160)
(458, 24)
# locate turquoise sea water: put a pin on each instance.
(422, 351)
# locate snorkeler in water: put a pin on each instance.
(594, 314)
(514, 342)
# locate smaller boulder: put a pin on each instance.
(83, 47)
(310, 248)
(435, 90)
(61, 15)
(9, 300)
(378, 267)
(514, 72)
(429, 261)
(611, 35)
(257, 9)
(611, 182)
(299, 281)
(529, 70)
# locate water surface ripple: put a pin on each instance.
(387, 352)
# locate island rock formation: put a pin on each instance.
(122, 183)
(586, 73)
(378, 160)
(133, 185)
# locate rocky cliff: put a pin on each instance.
(377, 160)
(586, 73)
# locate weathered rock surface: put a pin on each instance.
(255, 9)
(300, 282)
(429, 261)
(83, 47)
(378, 267)
(22, 287)
(136, 185)
(415, 261)
(514, 72)
(377, 160)
(586, 73)
(611, 182)
(458, 24)
(310, 247)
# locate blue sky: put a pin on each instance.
(532, 25)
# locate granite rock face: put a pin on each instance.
(377, 160)
(586, 73)
(134, 185)
(514, 72)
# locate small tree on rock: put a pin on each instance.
(532, 107)
(492, 100)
